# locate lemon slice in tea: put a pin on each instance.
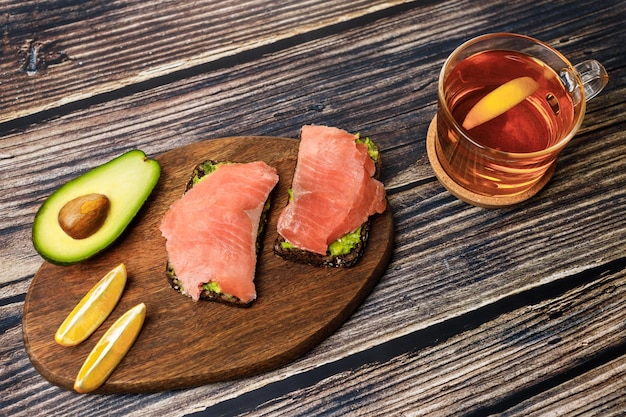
(110, 350)
(93, 309)
(500, 100)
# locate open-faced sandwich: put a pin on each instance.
(213, 232)
(334, 193)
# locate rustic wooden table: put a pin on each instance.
(517, 311)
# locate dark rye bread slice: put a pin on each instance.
(208, 292)
(328, 260)
(331, 261)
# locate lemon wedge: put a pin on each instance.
(93, 308)
(498, 101)
(110, 350)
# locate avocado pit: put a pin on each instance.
(84, 215)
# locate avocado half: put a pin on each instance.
(126, 181)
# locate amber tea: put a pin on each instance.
(539, 121)
(507, 102)
(507, 105)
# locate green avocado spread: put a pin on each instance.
(345, 244)
(212, 286)
(341, 246)
(372, 149)
(205, 169)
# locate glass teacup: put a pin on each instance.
(507, 105)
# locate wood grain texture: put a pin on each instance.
(475, 370)
(601, 389)
(62, 52)
(379, 78)
(185, 344)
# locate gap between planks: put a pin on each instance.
(438, 334)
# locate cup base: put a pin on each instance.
(471, 197)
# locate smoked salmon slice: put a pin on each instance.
(211, 232)
(333, 189)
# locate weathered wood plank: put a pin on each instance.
(478, 372)
(60, 52)
(599, 391)
(378, 79)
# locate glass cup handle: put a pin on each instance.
(594, 77)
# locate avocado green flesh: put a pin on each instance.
(207, 167)
(126, 180)
(341, 246)
(212, 286)
(345, 244)
(372, 149)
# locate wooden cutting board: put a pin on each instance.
(183, 343)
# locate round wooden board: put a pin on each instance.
(183, 343)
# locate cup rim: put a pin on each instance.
(443, 105)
